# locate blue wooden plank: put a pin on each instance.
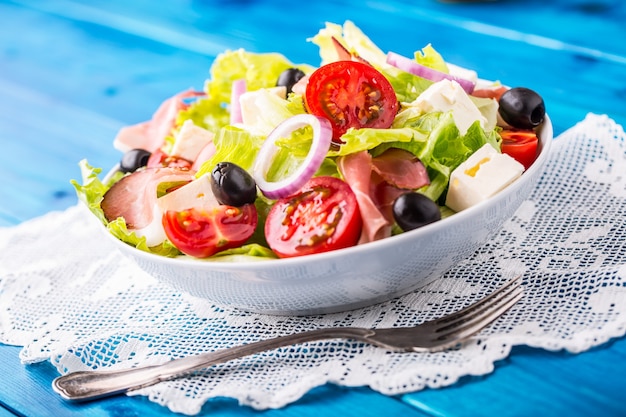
(537, 382)
(41, 402)
(91, 65)
(567, 73)
(558, 67)
(44, 153)
(34, 381)
(551, 24)
(4, 412)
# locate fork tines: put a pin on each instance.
(472, 319)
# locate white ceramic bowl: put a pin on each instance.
(348, 278)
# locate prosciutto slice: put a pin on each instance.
(401, 168)
(377, 182)
(356, 169)
(135, 195)
(150, 135)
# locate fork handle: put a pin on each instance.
(88, 385)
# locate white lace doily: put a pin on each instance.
(67, 296)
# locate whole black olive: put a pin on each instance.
(522, 108)
(412, 210)
(289, 77)
(232, 185)
(134, 159)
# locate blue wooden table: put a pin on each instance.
(73, 73)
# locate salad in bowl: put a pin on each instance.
(291, 188)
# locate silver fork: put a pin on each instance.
(431, 336)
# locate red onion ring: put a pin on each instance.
(410, 66)
(239, 87)
(322, 136)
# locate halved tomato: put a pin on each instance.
(521, 145)
(351, 94)
(161, 159)
(202, 233)
(322, 216)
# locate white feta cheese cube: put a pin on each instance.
(482, 175)
(154, 231)
(448, 95)
(197, 193)
(190, 140)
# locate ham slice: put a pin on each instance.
(377, 182)
(356, 170)
(135, 195)
(384, 194)
(150, 135)
(401, 168)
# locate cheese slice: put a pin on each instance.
(198, 193)
(190, 140)
(447, 95)
(482, 175)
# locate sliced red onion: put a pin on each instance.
(322, 136)
(239, 87)
(410, 66)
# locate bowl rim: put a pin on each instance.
(545, 134)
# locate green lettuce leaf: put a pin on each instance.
(356, 140)
(407, 86)
(233, 144)
(260, 70)
(273, 110)
(91, 192)
(352, 39)
(118, 229)
(246, 253)
(430, 58)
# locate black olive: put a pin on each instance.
(289, 77)
(134, 159)
(522, 108)
(232, 185)
(413, 210)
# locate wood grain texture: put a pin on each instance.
(71, 74)
(35, 380)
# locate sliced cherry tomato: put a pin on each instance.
(521, 145)
(351, 94)
(161, 159)
(322, 216)
(202, 233)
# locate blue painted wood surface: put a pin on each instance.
(71, 74)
